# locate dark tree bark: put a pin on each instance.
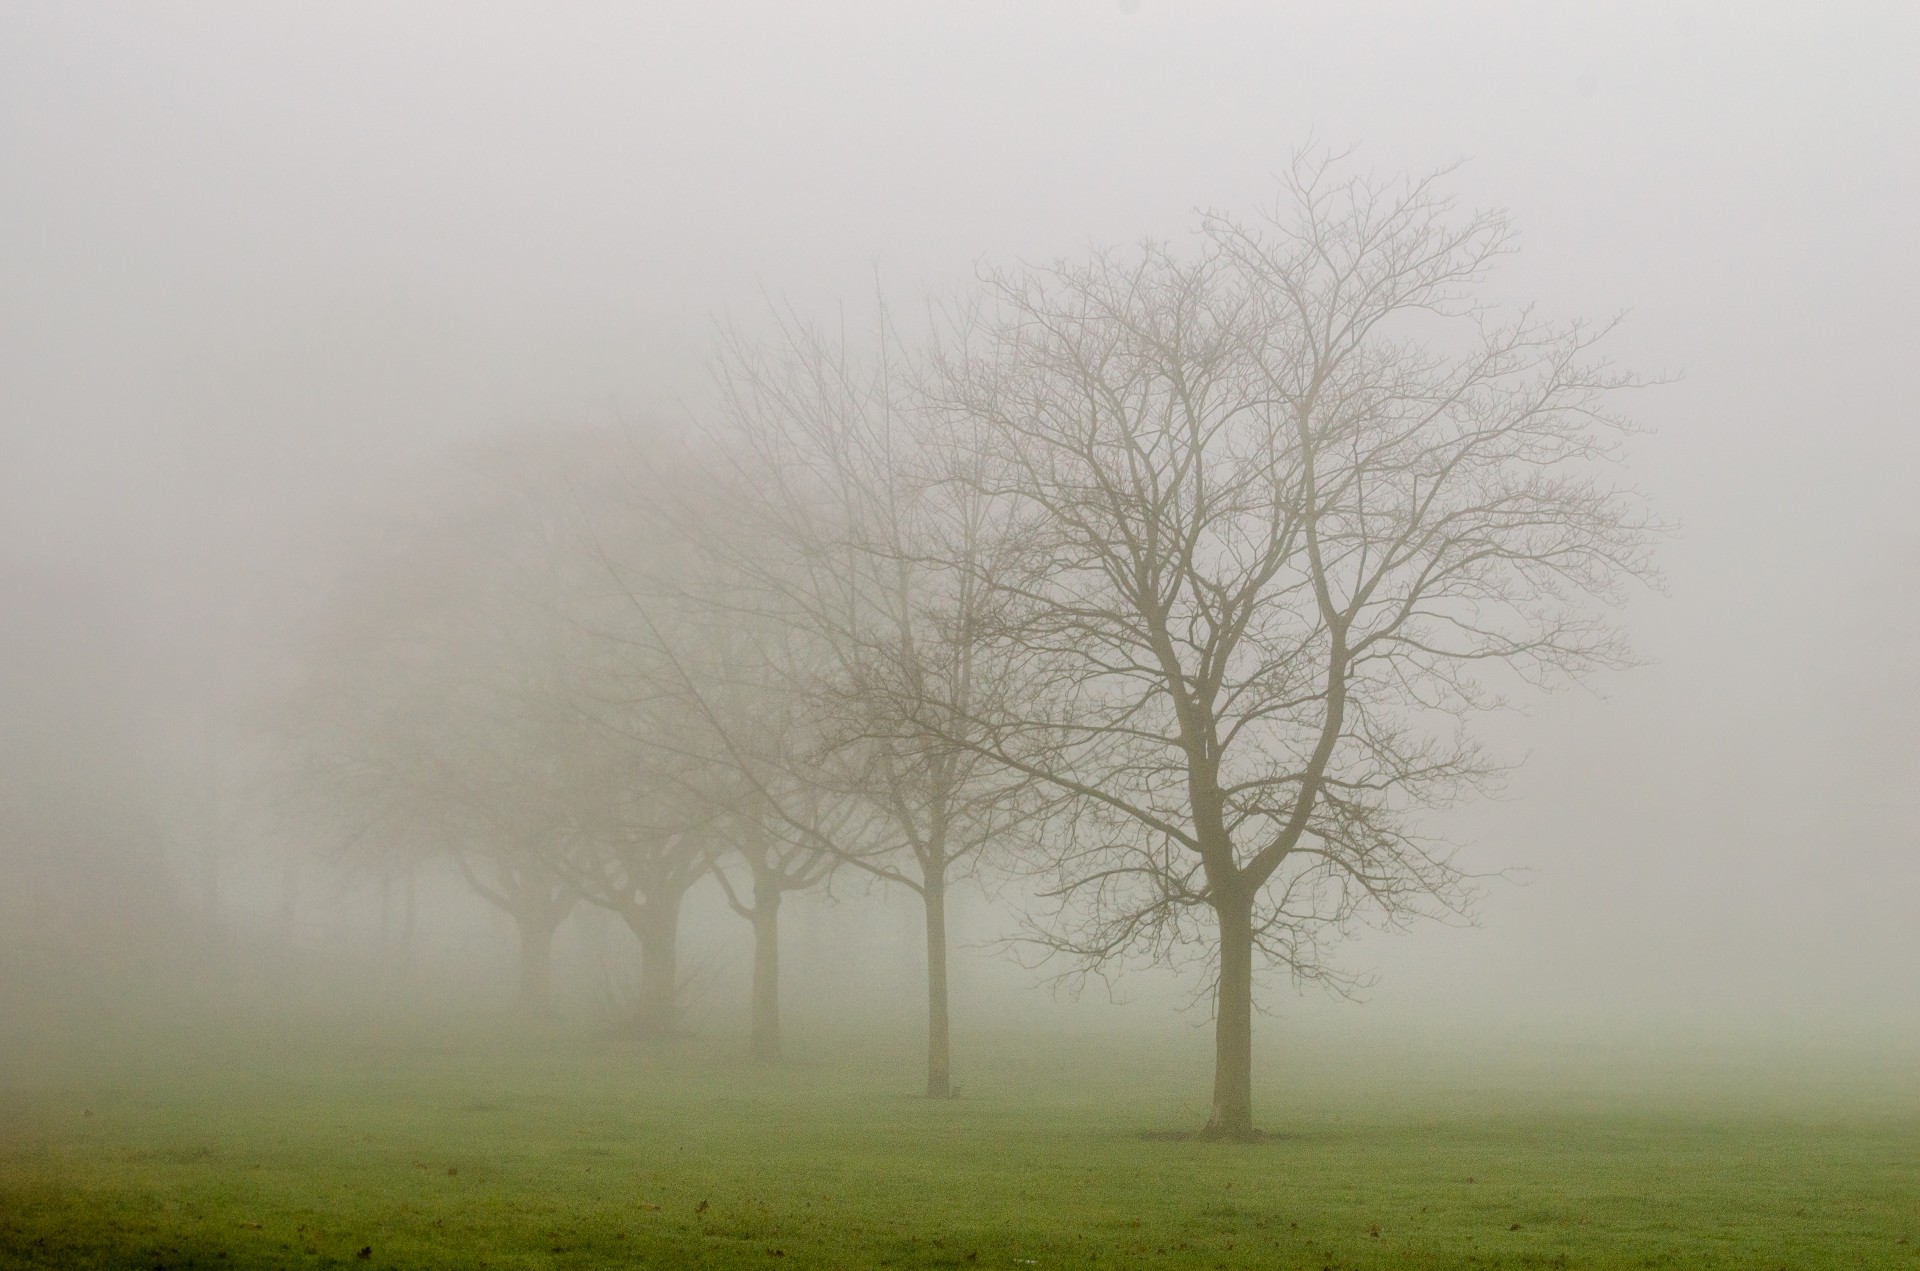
(1232, 1116)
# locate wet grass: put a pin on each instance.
(465, 1150)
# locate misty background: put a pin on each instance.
(261, 269)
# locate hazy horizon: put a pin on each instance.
(261, 267)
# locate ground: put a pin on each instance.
(471, 1146)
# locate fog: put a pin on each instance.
(275, 282)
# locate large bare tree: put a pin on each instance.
(1288, 506)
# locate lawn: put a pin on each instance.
(469, 1146)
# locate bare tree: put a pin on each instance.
(727, 678)
(780, 819)
(636, 844)
(842, 531)
(417, 730)
(777, 862)
(1286, 509)
(501, 821)
(635, 825)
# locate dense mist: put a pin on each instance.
(371, 374)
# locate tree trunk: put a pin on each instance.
(658, 927)
(1233, 1025)
(939, 1056)
(536, 964)
(765, 1042)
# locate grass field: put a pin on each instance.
(452, 1148)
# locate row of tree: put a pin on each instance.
(1165, 579)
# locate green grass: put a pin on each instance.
(468, 1148)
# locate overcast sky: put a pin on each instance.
(253, 257)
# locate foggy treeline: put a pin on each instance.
(1150, 589)
(1174, 612)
